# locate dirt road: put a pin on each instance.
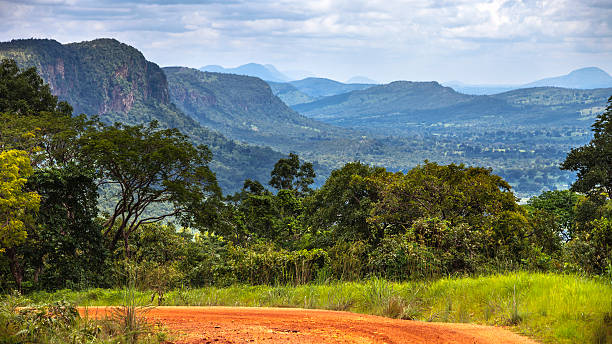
(216, 325)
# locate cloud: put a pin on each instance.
(424, 39)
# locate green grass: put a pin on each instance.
(551, 308)
(22, 321)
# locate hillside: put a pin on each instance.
(403, 105)
(241, 107)
(311, 89)
(244, 108)
(289, 94)
(113, 80)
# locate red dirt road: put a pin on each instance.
(216, 325)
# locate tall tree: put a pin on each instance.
(290, 174)
(343, 204)
(23, 92)
(35, 121)
(593, 161)
(453, 193)
(145, 166)
(16, 206)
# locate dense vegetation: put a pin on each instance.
(429, 222)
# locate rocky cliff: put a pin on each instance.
(113, 80)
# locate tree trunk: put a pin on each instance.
(16, 268)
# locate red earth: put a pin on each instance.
(216, 325)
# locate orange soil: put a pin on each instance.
(216, 325)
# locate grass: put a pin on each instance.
(58, 322)
(551, 308)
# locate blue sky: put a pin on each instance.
(474, 41)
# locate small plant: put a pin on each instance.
(515, 316)
(130, 315)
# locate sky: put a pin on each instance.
(473, 41)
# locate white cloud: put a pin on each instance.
(472, 40)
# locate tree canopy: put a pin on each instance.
(16, 203)
(593, 161)
(290, 174)
(146, 165)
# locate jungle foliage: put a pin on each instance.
(434, 220)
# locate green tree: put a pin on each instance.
(561, 204)
(144, 166)
(62, 236)
(452, 193)
(456, 195)
(593, 162)
(260, 215)
(65, 247)
(290, 174)
(23, 92)
(32, 119)
(340, 208)
(16, 206)
(15, 201)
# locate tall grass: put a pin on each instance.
(552, 308)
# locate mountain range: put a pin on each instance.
(521, 134)
(403, 106)
(584, 78)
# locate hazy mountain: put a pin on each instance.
(321, 87)
(361, 80)
(584, 78)
(266, 72)
(479, 89)
(388, 100)
(113, 80)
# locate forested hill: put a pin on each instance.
(113, 80)
(403, 105)
(243, 108)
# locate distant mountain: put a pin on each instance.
(585, 78)
(404, 105)
(310, 89)
(265, 72)
(479, 89)
(361, 80)
(389, 100)
(113, 80)
(321, 87)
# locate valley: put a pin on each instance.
(248, 123)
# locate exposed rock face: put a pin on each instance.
(96, 77)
